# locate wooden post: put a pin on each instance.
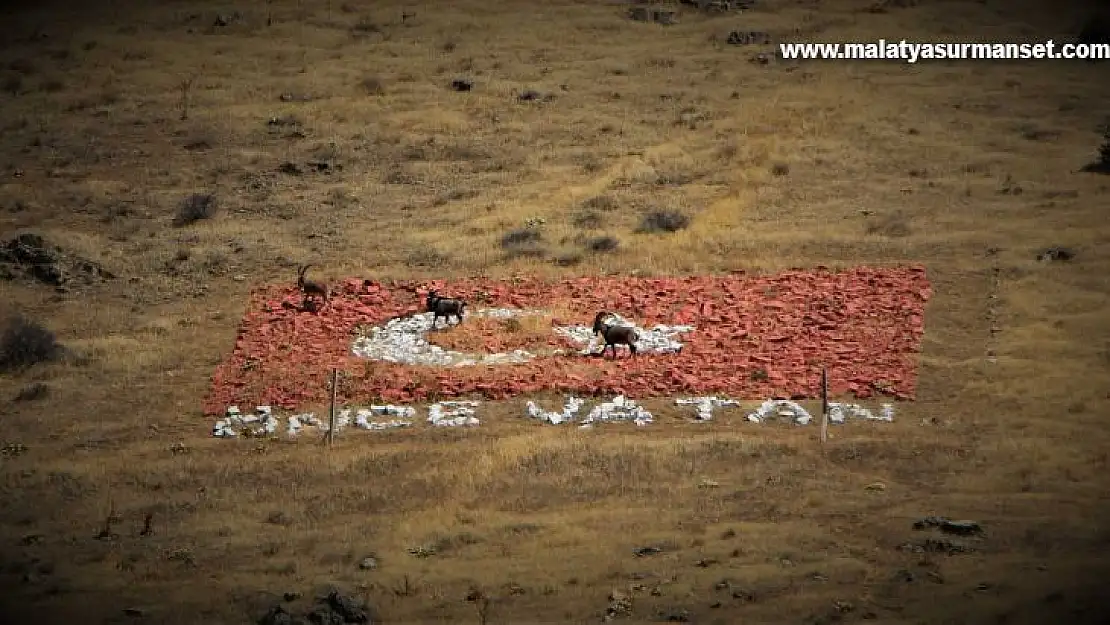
(331, 410)
(824, 406)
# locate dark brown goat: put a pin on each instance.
(615, 335)
(311, 287)
(444, 307)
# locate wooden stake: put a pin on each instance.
(824, 408)
(331, 410)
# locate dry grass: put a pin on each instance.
(394, 174)
(479, 334)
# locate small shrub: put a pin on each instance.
(520, 237)
(33, 392)
(366, 26)
(601, 203)
(674, 178)
(603, 244)
(588, 220)
(894, 226)
(569, 259)
(1102, 164)
(454, 195)
(664, 221)
(373, 85)
(524, 242)
(26, 343)
(426, 258)
(194, 208)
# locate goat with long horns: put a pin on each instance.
(615, 334)
(311, 288)
(444, 307)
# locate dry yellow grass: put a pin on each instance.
(778, 166)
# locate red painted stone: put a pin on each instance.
(867, 329)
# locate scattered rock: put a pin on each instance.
(462, 84)
(531, 95)
(902, 575)
(29, 256)
(279, 518)
(761, 58)
(226, 19)
(675, 615)
(348, 608)
(11, 450)
(664, 17)
(620, 604)
(936, 545)
(277, 615)
(718, 6)
(1056, 253)
(284, 120)
(960, 528)
(882, 6)
(295, 97)
(423, 551)
(748, 38)
(743, 595)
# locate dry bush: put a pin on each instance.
(1102, 164)
(33, 392)
(664, 221)
(601, 203)
(427, 258)
(194, 208)
(589, 220)
(366, 26)
(26, 343)
(895, 226)
(567, 259)
(527, 242)
(372, 85)
(603, 244)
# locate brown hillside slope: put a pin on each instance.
(332, 136)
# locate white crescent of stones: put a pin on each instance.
(403, 341)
